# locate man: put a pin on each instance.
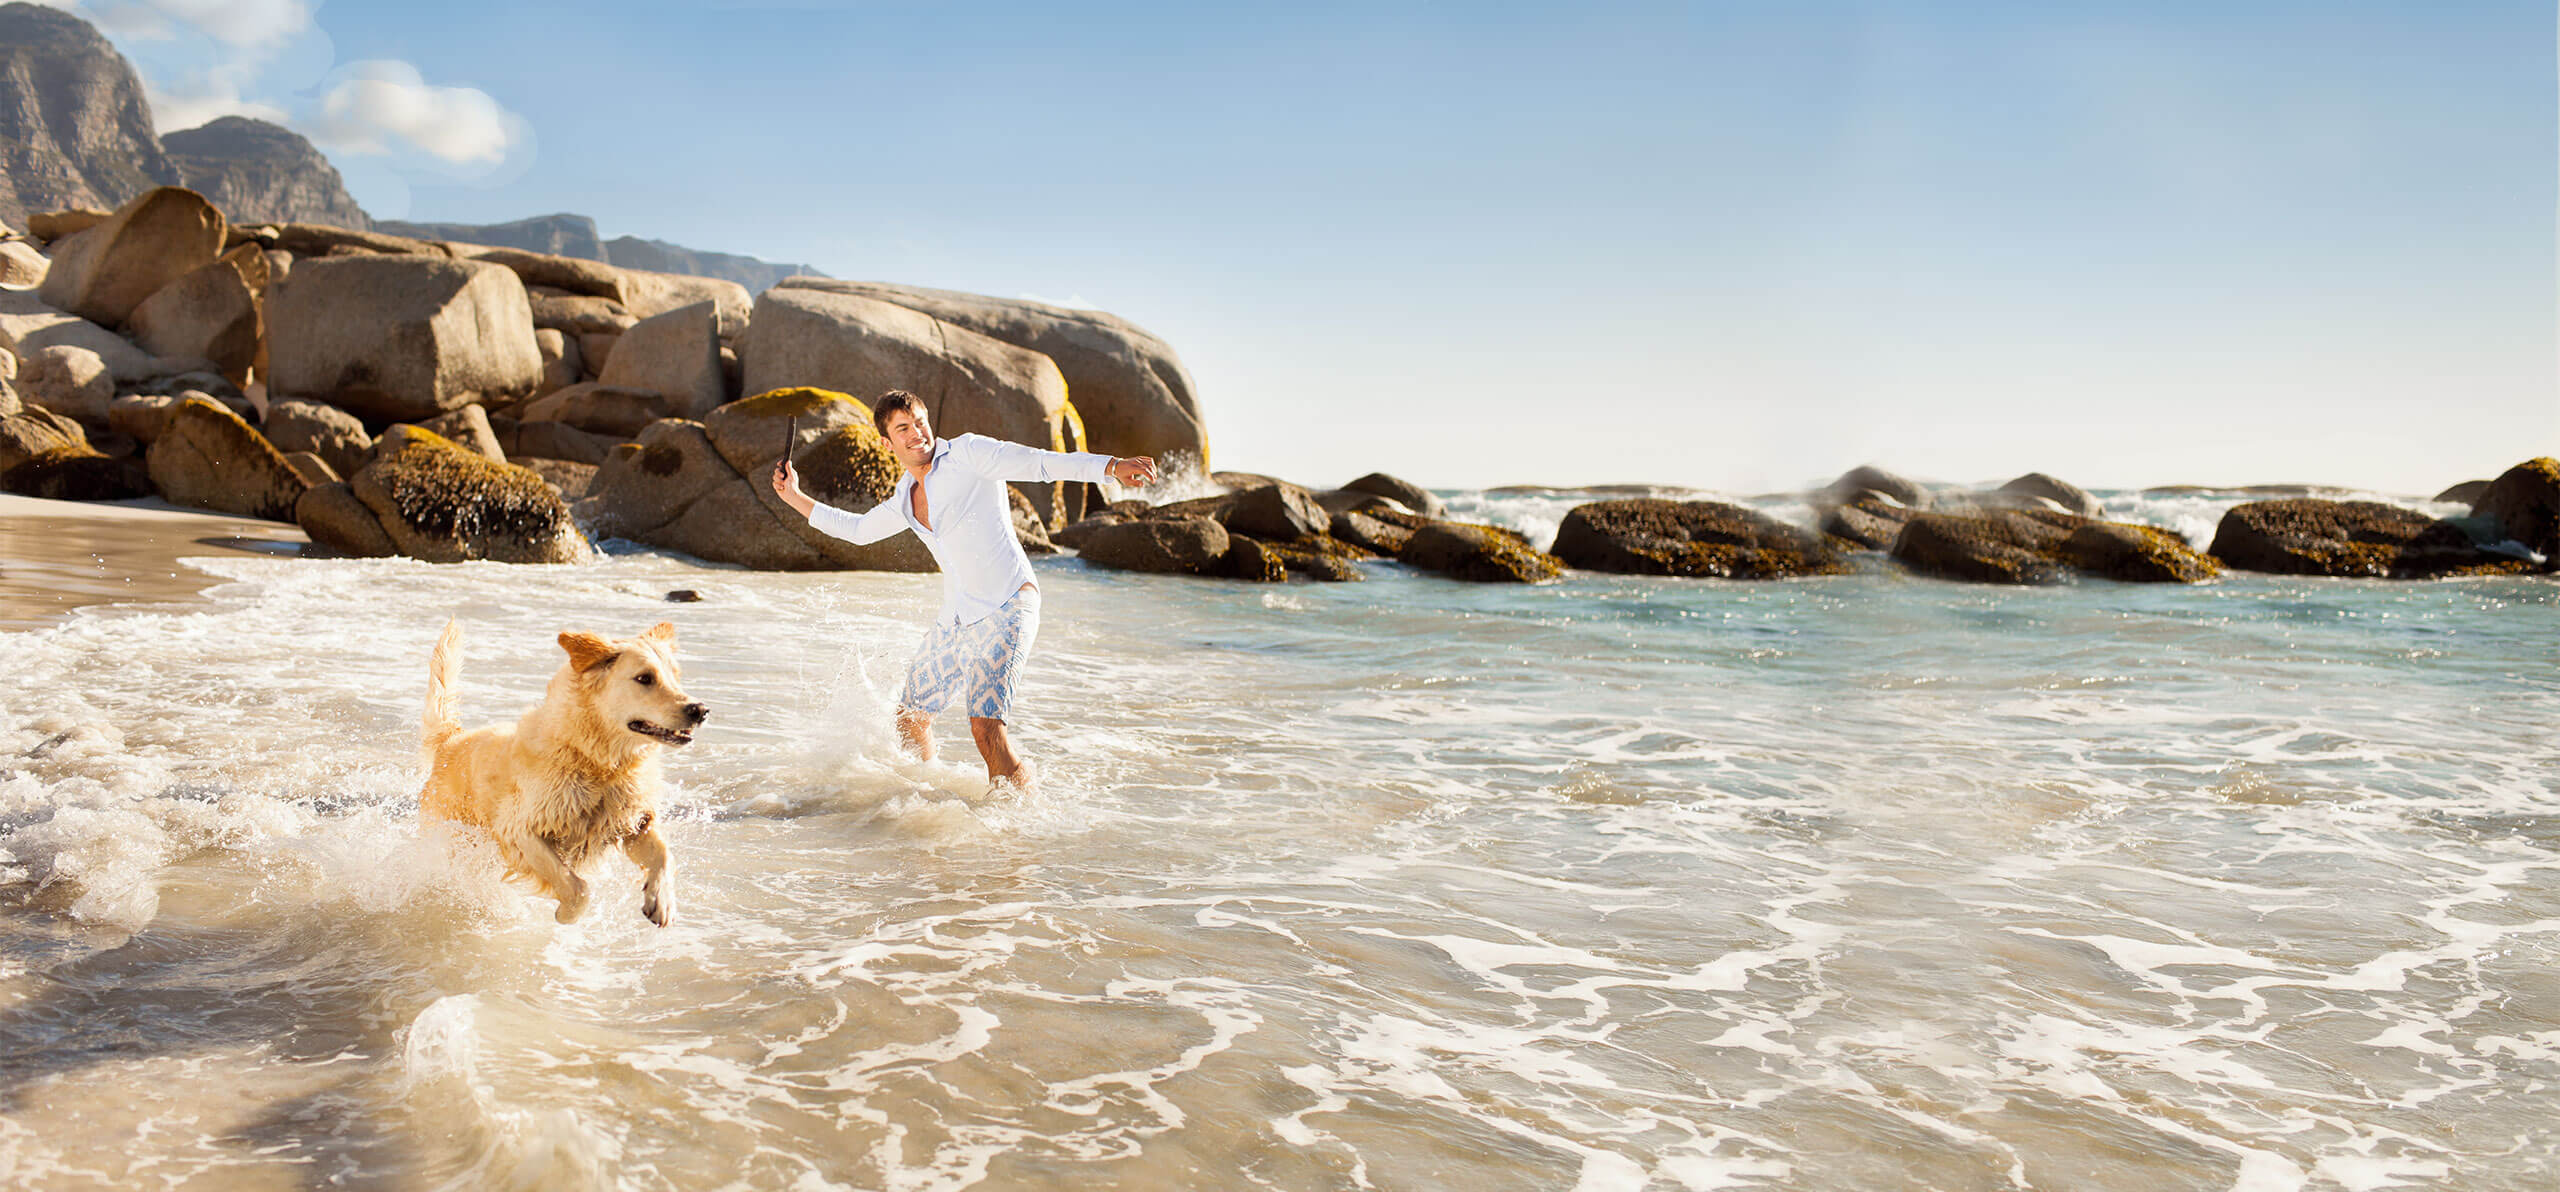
(953, 498)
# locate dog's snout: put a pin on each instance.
(696, 712)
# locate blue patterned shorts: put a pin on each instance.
(978, 663)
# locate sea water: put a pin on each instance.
(1615, 883)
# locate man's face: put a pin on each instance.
(910, 436)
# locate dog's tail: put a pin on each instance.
(444, 670)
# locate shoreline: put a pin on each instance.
(59, 556)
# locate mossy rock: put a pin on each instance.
(2524, 502)
(2311, 536)
(1370, 533)
(1252, 560)
(1697, 539)
(1995, 547)
(77, 474)
(209, 458)
(445, 503)
(1477, 553)
(2137, 554)
(1320, 557)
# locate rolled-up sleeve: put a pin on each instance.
(1002, 460)
(857, 528)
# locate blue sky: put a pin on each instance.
(1740, 246)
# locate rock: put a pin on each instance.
(312, 468)
(1369, 533)
(2136, 554)
(468, 427)
(676, 354)
(1236, 482)
(314, 241)
(208, 458)
(1251, 560)
(1871, 522)
(595, 348)
(1483, 554)
(1996, 546)
(971, 384)
(1867, 478)
(1319, 557)
(679, 489)
(2311, 536)
(567, 477)
(561, 234)
(213, 312)
(601, 409)
(1131, 390)
(580, 314)
(649, 293)
(28, 326)
(556, 441)
(401, 338)
(65, 380)
(9, 403)
(1403, 492)
(2066, 496)
(73, 474)
(49, 226)
(593, 279)
(1073, 535)
(1027, 527)
(1276, 513)
(36, 431)
(102, 274)
(2524, 503)
(1187, 546)
(2466, 493)
(340, 524)
(445, 503)
(21, 266)
(1343, 500)
(323, 430)
(1699, 539)
(555, 346)
(279, 263)
(258, 172)
(143, 416)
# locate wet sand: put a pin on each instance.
(56, 556)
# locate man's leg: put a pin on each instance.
(915, 730)
(995, 747)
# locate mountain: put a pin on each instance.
(258, 172)
(75, 129)
(658, 256)
(562, 235)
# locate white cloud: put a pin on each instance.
(240, 24)
(188, 103)
(385, 106)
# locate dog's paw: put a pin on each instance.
(655, 910)
(574, 905)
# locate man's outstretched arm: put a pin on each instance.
(882, 522)
(1002, 460)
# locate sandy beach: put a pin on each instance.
(56, 556)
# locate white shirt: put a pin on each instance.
(972, 532)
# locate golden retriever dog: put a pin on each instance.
(577, 773)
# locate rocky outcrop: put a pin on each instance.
(159, 236)
(1129, 387)
(213, 313)
(258, 172)
(1168, 546)
(34, 431)
(658, 256)
(208, 458)
(971, 384)
(2524, 504)
(436, 500)
(704, 488)
(677, 355)
(75, 126)
(570, 235)
(28, 326)
(560, 235)
(2039, 546)
(400, 338)
(1699, 539)
(2311, 536)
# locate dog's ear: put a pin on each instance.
(586, 650)
(664, 633)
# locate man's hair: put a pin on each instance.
(890, 403)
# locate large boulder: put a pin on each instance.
(28, 326)
(1278, 512)
(2312, 536)
(468, 427)
(579, 314)
(705, 488)
(646, 293)
(2524, 504)
(1996, 546)
(159, 236)
(76, 474)
(213, 313)
(1703, 539)
(67, 380)
(1403, 492)
(556, 440)
(208, 458)
(446, 503)
(1478, 553)
(970, 383)
(1184, 546)
(1870, 522)
(601, 409)
(340, 524)
(21, 265)
(35, 431)
(2136, 554)
(2068, 497)
(336, 436)
(399, 338)
(313, 241)
(1867, 478)
(1131, 390)
(676, 354)
(576, 275)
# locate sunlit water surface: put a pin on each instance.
(1863, 882)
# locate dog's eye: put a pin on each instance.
(647, 679)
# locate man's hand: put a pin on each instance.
(1131, 471)
(786, 485)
